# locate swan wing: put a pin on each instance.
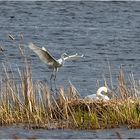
(43, 54)
(106, 97)
(73, 57)
(92, 96)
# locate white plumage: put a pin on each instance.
(99, 95)
(47, 58)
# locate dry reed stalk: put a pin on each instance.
(122, 85)
(62, 101)
(110, 74)
(11, 87)
(21, 48)
(57, 111)
(72, 92)
(134, 87)
(48, 106)
(27, 88)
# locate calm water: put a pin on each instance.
(102, 31)
(17, 132)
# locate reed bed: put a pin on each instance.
(33, 105)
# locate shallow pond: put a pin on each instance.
(105, 32)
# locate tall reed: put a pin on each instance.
(32, 104)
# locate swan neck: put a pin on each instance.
(99, 91)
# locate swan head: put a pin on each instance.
(102, 89)
(100, 95)
(64, 55)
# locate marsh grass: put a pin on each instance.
(33, 105)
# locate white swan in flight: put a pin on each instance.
(47, 58)
(99, 95)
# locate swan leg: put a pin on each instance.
(52, 75)
(55, 82)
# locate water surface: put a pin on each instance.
(116, 133)
(105, 32)
(102, 31)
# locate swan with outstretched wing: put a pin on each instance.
(47, 58)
